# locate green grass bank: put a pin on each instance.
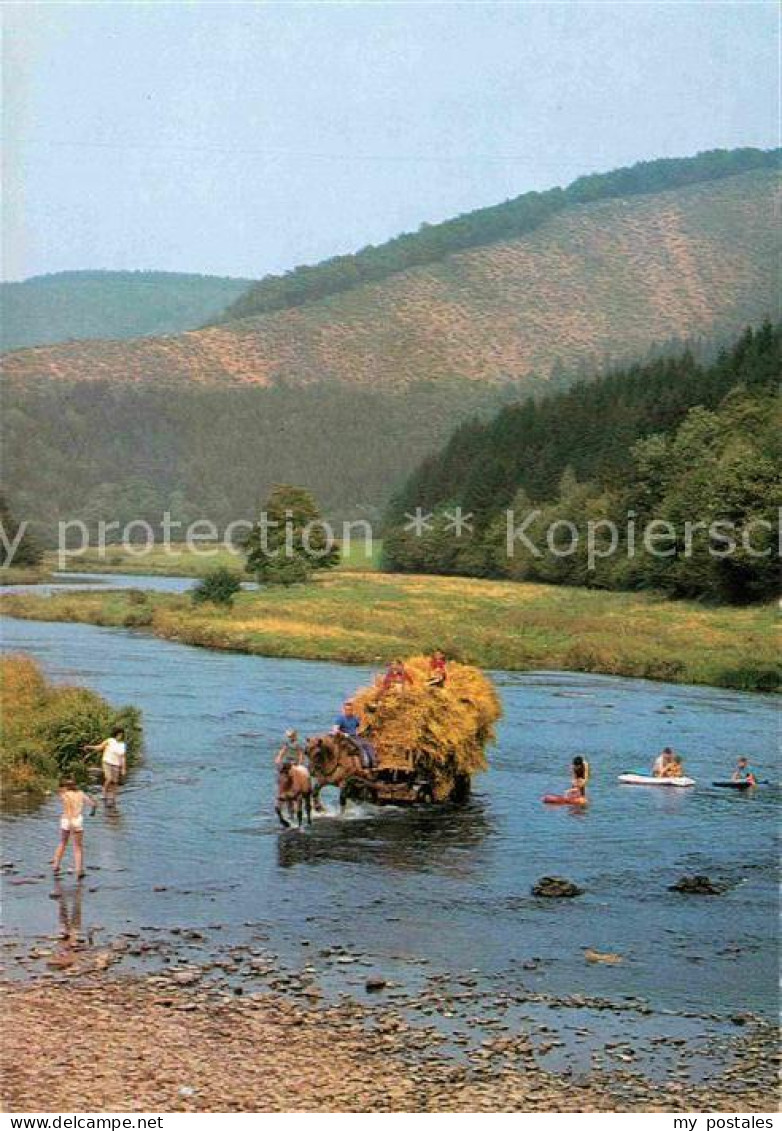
(371, 617)
(45, 728)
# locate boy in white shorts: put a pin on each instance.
(72, 821)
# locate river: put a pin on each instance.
(195, 844)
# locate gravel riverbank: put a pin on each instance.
(84, 1040)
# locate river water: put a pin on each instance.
(195, 843)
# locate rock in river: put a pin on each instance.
(555, 887)
(697, 885)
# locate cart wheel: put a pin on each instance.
(461, 789)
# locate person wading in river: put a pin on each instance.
(72, 823)
(743, 772)
(291, 753)
(114, 761)
(580, 777)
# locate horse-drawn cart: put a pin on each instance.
(388, 787)
(428, 740)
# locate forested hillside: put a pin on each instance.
(507, 221)
(673, 441)
(602, 280)
(346, 394)
(105, 451)
(73, 305)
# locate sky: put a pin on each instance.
(246, 138)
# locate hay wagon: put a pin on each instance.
(402, 787)
(428, 741)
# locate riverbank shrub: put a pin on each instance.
(20, 549)
(46, 727)
(219, 587)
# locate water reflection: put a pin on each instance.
(69, 924)
(446, 839)
(69, 911)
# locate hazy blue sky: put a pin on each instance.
(240, 139)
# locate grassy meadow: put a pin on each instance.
(366, 617)
(179, 560)
(24, 575)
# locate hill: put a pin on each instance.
(506, 221)
(345, 395)
(73, 305)
(598, 281)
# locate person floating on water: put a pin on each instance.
(114, 760)
(72, 822)
(349, 725)
(397, 676)
(291, 753)
(579, 779)
(438, 670)
(662, 763)
(743, 772)
(674, 768)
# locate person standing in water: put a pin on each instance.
(291, 753)
(114, 761)
(72, 823)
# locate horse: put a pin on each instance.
(294, 791)
(334, 760)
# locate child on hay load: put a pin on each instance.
(440, 732)
(397, 676)
(438, 671)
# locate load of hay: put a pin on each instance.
(441, 732)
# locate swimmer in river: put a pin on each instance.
(743, 772)
(580, 777)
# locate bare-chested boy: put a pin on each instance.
(72, 822)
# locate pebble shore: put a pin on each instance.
(90, 1040)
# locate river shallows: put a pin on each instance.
(451, 886)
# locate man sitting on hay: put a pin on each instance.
(349, 725)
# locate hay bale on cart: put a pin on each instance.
(438, 733)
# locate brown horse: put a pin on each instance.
(295, 792)
(334, 760)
